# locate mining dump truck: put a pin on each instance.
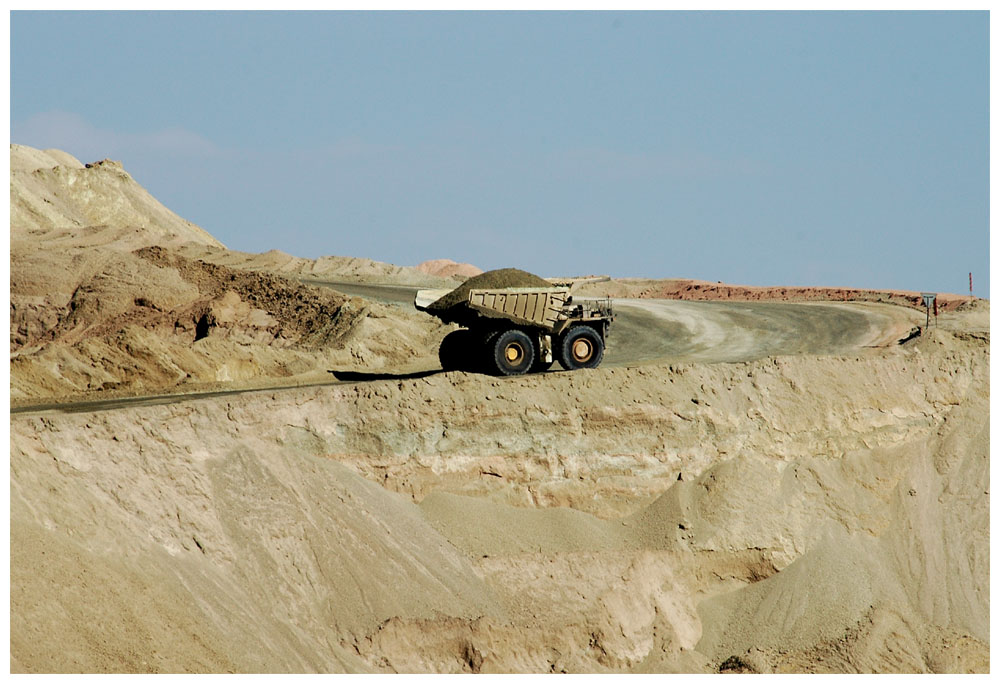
(515, 330)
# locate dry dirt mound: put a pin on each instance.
(446, 268)
(153, 321)
(303, 315)
(499, 278)
(103, 300)
(115, 299)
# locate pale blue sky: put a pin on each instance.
(825, 148)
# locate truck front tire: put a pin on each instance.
(581, 347)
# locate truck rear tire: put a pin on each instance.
(512, 352)
(581, 347)
(455, 352)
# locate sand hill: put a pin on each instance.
(56, 200)
(113, 294)
(331, 269)
(447, 268)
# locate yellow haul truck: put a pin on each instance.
(515, 330)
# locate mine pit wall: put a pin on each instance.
(608, 442)
(246, 508)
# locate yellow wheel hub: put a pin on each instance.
(514, 353)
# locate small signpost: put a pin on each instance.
(930, 299)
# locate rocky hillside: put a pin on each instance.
(56, 201)
(112, 293)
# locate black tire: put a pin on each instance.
(456, 350)
(486, 340)
(512, 352)
(581, 347)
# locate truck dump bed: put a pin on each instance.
(540, 307)
(534, 306)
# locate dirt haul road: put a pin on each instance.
(661, 330)
(648, 332)
(645, 332)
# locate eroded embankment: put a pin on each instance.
(804, 514)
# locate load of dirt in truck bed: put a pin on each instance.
(499, 278)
